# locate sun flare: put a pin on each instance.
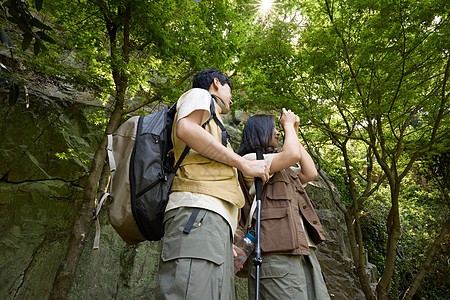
(265, 6)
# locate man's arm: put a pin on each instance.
(189, 130)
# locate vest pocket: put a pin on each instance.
(280, 190)
(209, 171)
(277, 232)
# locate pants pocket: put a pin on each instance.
(203, 241)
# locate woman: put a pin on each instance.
(290, 228)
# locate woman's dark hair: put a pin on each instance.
(205, 78)
(257, 133)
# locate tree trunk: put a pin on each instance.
(354, 230)
(393, 230)
(66, 272)
(412, 289)
(358, 257)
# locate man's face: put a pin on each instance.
(224, 92)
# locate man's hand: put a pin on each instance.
(256, 168)
(234, 251)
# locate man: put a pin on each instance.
(202, 213)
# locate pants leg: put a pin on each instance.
(198, 265)
(317, 287)
(289, 277)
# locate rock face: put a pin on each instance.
(45, 154)
(46, 145)
(334, 253)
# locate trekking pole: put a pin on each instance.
(257, 260)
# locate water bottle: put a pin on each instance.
(244, 247)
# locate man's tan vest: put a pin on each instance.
(201, 175)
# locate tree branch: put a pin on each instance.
(412, 289)
(158, 96)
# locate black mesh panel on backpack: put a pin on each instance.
(150, 172)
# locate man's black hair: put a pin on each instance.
(257, 133)
(205, 78)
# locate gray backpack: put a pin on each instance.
(142, 171)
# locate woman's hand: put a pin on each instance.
(296, 124)
(288, 118)
(290, 153)
(237, 263)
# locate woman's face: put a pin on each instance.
(275, 136)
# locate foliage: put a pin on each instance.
(425, 207)
(34, 30)
(371, 77)
(18, 12)
(167, 40)
(423, 213)
(372, 224)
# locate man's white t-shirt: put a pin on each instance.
(192, 100)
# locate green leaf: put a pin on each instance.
(37, 47)
(13, 94)
(24, 26)
(27, 38)
(38, 24)
(5, 38)
(46, 37)
(43, 47)
(5, 69)
(38, 4)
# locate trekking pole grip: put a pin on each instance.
(258, 181)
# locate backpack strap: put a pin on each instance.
(190, 222)
(213, 116)
(250, 204)
(109, 148)
(98, 206)
(183, 155)
(97, 222)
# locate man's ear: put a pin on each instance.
(214, 87)
(216, 83)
